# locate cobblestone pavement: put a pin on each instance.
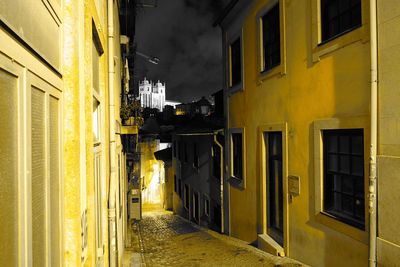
(164, 239)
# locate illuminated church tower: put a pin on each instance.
(152, 95)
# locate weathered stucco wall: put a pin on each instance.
(389, 133)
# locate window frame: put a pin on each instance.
(196, 158)
(186, 196)
(236, 181)
(339, 215)
(207, 200)
(238, 41)
(322, 29)
(361, 122)
(215, 147)
(280, 69)
(231, 37)
(320, 48)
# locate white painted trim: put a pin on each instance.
(242, 184)
(283, 128)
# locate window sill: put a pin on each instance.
(340, 41)
(236, 88)
(279, 70)
(351, 231)
(237, 183)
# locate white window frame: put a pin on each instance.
(320, 216)
(319, 49)
(230, 40)
(281, 68)
(237, 182)
(98, 154)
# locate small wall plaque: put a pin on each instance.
(294, 185)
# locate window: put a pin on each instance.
(344, 175)
(181, 151)
(216, 154)
(175, 185)
(339, 17)
(186, 197)
(235, 62)
(206, 206)
(185, 152)
(271, 38)
(180, 188)
(237, 156)
(97, 150)
(195, 156)
(196, 207)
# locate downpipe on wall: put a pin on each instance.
(222, 181)
(374, 130)
(112, 187)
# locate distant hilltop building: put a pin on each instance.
(152, 95)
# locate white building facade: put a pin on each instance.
(152, 95)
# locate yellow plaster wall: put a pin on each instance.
(337, 86)
(78, 52)
(71, 131)
(389, 132)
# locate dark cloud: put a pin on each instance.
(180, 33)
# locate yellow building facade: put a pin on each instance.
(64, 176)
(298, 119)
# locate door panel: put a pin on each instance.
(274, 186)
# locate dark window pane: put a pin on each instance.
(360, 208)
(344, 164)
(195, 156)
(332, 162)
(216, 162)
(337, 201)
(237, 155)
(337, 183)
(236, 63)
(348, 185)
(347, 205)
(271, 38)
(339, 16)
(344, 175)
(357, 165)
(357, 145)
(332, 143)
(344, 144)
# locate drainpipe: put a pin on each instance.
(221, 168)
(374, 130)
(112, 187)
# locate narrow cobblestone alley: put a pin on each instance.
(164, 239)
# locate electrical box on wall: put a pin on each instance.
(294, 185)
(135, 203)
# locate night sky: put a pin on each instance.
(180, 33)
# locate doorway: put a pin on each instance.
(274, 185)
(274, 201)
